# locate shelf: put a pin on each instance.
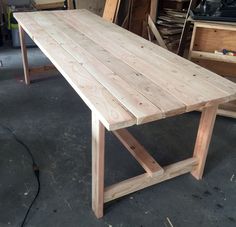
(212, 56)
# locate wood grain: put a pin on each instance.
(205, 130)
(139, 152)
(24, 55)
(124, 78)
(110, 112)
(98, 153)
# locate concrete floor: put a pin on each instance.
(53, 121)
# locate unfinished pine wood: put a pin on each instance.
(139, 153)
(144, 180)
(126, 80)
(152, 49)
(70, 4)
(156, 33)
(79, 44)
(99, 100)
(110, 10)
(98, 146)
(216, 25)
(137, 104)
(209, 39)
(153, 9)
(226, 113)
(24, 55)
(205, 130)
(212, 56)
(224, 69)
(146, 82)
(125, 48)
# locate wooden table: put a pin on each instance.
(126, 80)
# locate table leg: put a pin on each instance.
(24, 55)
(98, 146)
(205, 130)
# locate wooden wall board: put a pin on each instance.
(210, 40)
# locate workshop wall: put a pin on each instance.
(96, 6)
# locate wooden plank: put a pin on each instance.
(137, 104)
(153, 9)
(205, 130)
(110, 10)
(144, 180)
(205, 39)
(154, 51)
(156, 33)
(226, 113)
(163, 100)
(216, 25)
(110, 112)
(190, 84)
(229, 106)
(70, 4)
(98, 153)
(221, 68)
(212, 56)
(141, 65)
(139, 152)
(24, 55)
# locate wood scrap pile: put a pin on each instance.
(170, 23)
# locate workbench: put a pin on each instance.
(211, 36)
(126, 80)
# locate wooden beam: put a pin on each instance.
(144, 180)
(212, 56)
(98, 146)
(24, 55)
(110, 10)
(70, 4)
(154, 9)
(226, 113)
(205, 130)
(156, 33)
(139, 152)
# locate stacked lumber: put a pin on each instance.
(170, 23)
(175, 4)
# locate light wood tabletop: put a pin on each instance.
(126, 80)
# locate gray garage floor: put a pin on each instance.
(53, 121)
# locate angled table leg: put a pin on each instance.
(205, 130)
(98, 146)
(24, 55)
